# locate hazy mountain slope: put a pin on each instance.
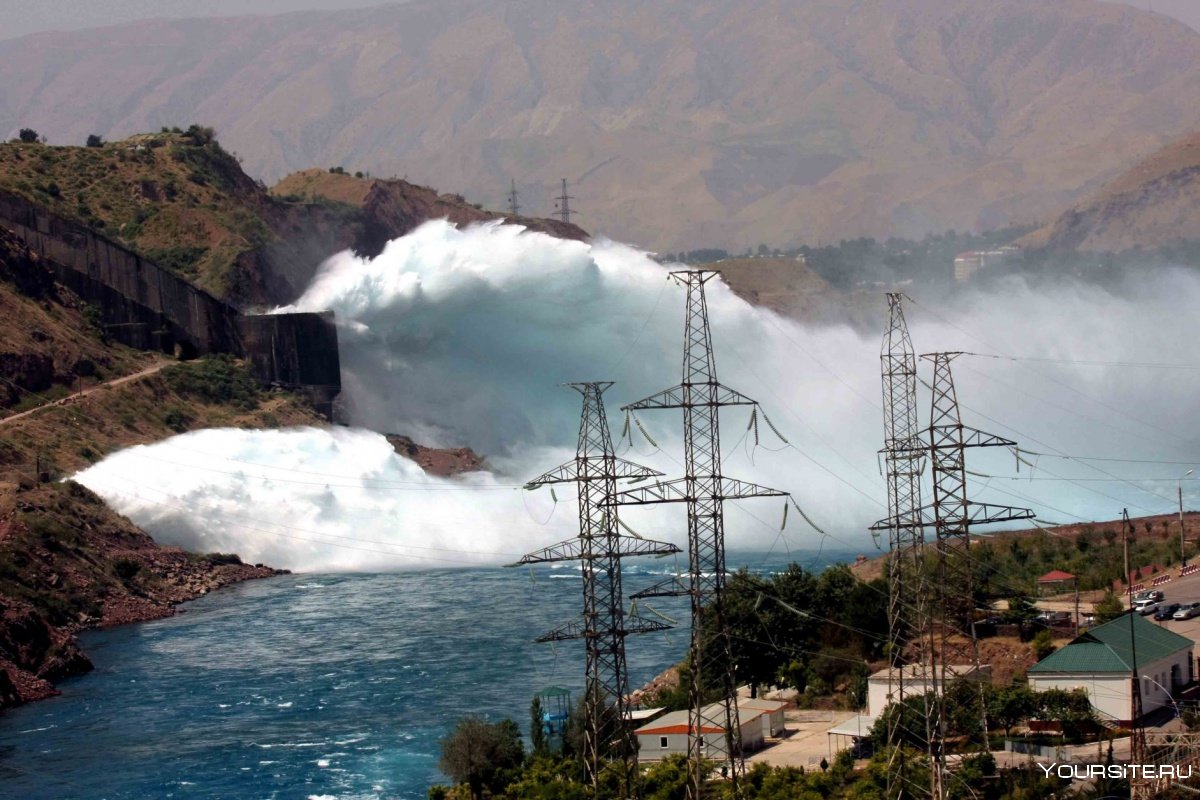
(1155, 202)
(680, 124)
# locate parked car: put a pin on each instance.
(1187, 611)
(1149, 594)
(1166, 611)
(1146, 606)
(1048, 619)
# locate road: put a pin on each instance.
(70, 399)
(1179, 590)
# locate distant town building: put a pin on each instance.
(918, 680)
(1056, 581)
(967, 264)
(668, 735)
(1101, 662)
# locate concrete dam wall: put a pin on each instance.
(149, 307)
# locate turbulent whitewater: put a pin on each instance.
(460, 337)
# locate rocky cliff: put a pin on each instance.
(68, 563)
(1154, 203)
(179, 200)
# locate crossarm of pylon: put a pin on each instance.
(676, 397)
(576, 549)
(575, 629)
(673, 491)
(567, 473)
(674, 586)
(924, 518)
(635, 623)
(676, 491)
(979, 513)
(973, 437)
(628, 469)
(733, 489)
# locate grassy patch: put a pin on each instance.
(217, 379)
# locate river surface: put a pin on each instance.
(329, 687)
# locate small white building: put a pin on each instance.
(1101, 662)
(668, 735)
(883, 687)
(772, 718)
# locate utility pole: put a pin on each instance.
(514, 208)
(1139, 787)
(604, 625)
(704, 489)
(563, 204)
(908, 609)
(953, 515)
(1182, 542)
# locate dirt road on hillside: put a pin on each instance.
(66, 401)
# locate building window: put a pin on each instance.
(662, 742)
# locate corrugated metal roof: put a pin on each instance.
(857, 726)
(763, 705)
(667, 730)
(1108, 647)
(679, 719)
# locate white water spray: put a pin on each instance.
(459, 337)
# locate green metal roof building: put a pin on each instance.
(1101, 661)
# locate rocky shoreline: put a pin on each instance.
(69, 564)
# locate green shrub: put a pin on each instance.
(178, 258)
(216, 379)
(176, 419)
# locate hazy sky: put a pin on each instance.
(19, 17)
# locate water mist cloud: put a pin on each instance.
(459, 337)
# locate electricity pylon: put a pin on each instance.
(704, 490)
(908, 607)
(563, 203)
(953, 516)
(514, 208)
(604, 625)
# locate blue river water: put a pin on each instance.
(328, 687)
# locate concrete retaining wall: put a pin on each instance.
(149, 307)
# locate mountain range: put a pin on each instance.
(678, 124)
(1155, 202)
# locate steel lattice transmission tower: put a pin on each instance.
(563, 203)
(604, 624)
(953, 516)
(514, 208)
(904, 454)
(704, 490)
